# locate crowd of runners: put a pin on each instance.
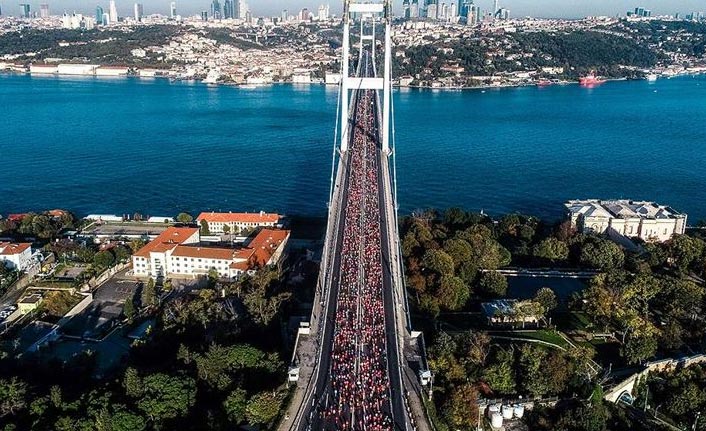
(360, 398)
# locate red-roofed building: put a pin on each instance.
(16, 256)
(178, 253)
(237, 222)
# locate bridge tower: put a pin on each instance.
(369, 13)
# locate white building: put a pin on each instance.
(177, 252)
(43, 69)
(626, 219)
(76, 21)
(77, 69)
(237, 222)
(113, 12)
(112, 71)
(16, 256)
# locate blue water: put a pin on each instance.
(150, 146)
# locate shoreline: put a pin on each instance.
(295, 84)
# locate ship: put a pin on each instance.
(590, 80)
(652, 77)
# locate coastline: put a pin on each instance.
(484, 87)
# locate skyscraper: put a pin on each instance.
(496, 7)
(204, 15)
(216, 9)
(44, 10)
(113, 12)
(172, 10)
(285, 15)
(139, 11)
(243, 9)
(228, 12)
(405, 9)
(99, 15)
(25, 10)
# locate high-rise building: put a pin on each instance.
(172, 10)
(204, 15)
(304, 15)
(139, 11)
(99, 15)
(285, 15)
(496, 7)
(405, 9)
(243, 9)
(113, 12)
(228, 12)
(432, 11)
(323, 13)
(44, 10)
(216, 9)
(25, 10)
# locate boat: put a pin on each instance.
(652, 77)
(544, 83)
(247, 86)
(590, 80)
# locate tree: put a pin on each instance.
(132, 383)
(261, 297)
(127, 421)
(551, 250)
(547, 298)
(475, 347)
(103, 259)
(263, 408)
(184, 218)
(602, 254)
(492, 284)
(13, 396)
(500, 375)
(204, 228)
(638, 347)
(129, 308)
(235, 406)
(453, 293)
(149, 293)
(439, 262)
(226, 229)
(167, 397)
(461, 409)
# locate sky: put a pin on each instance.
(518, 8)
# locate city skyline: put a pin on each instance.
(541, 8)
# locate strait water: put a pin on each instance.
(150, 146)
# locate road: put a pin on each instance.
(323, 394)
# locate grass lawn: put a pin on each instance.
(571, 321)
(53, 284)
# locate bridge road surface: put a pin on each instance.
(311, 419)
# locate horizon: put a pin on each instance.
(518, 8)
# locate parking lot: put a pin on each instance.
(126, 229)
(103, 313)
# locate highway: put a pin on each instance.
(357, 382)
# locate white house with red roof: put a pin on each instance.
(17, 256)
(178, 253)
(237, 221)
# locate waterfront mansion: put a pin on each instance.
(179, 253)
(647, 221)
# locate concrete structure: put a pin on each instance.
(43, 69)
(77, 69)
(619, 219)
(29, 303)
(112, 71)
(16, 256)
(237, 222)
(178, 252)
(506, 312)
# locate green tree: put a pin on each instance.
(639, 347)
(103, 259)
(551, 250)
(262, 296)
(167, 397)
(461, 409)
(453, 293)
(149, 293)
(226, 229)
(235, 406)
(263, 408)
(439, 262)
(127, 421)
(132, 383)
(184, 218)
(204, 228)
(602, 254)
(13, 396)
(129, 308)
(500, 375)
(547, 298)
(492, 284)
